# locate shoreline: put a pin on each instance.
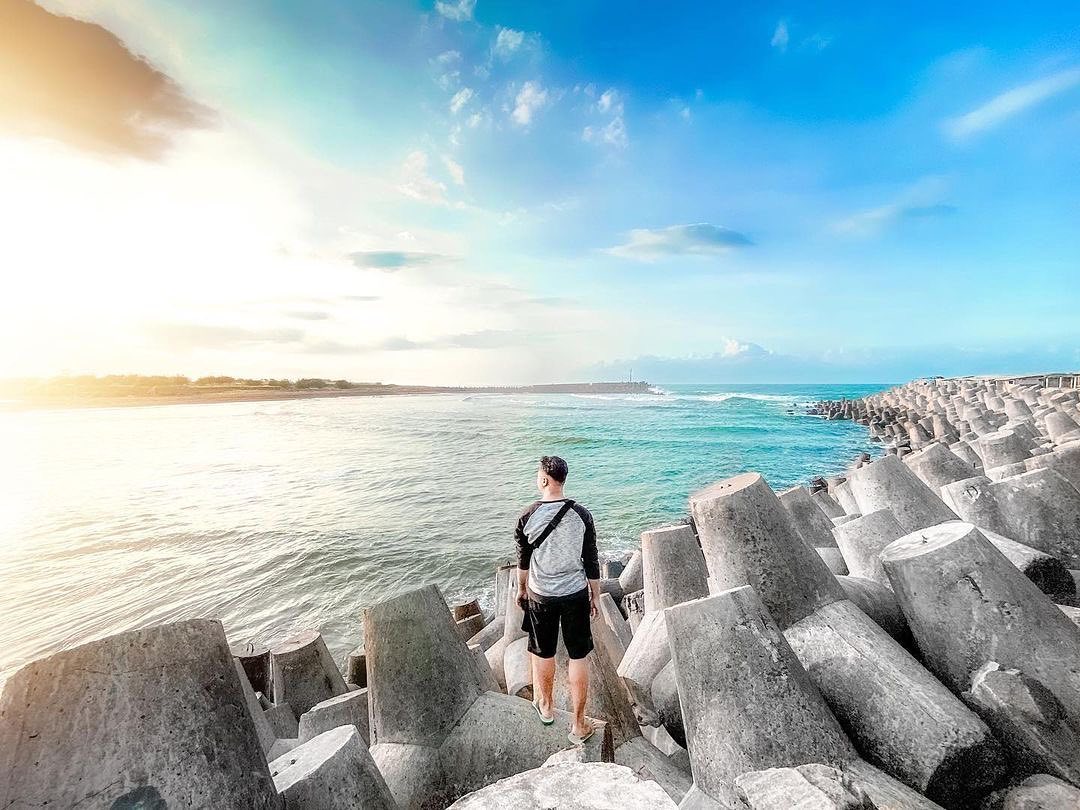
(216, 397)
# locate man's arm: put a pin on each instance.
(590, 559)
(524, 555)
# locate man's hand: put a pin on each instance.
(523, 600)
(594, 598)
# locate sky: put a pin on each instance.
(472, 191)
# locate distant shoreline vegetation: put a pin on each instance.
(137, 389)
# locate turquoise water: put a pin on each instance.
(278, 516)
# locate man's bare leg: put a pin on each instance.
(543, 670)
(579, 693)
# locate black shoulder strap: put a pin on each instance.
(566, 507)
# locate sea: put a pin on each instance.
(276, 517)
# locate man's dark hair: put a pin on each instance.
(554, 467)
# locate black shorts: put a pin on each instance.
(542, 621)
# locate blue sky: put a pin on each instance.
(496, 191)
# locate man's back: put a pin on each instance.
(567, 558)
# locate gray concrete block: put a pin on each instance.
(813, 525)
(282, 720)
(463, 610)
(900, 717)
(486, 636)
(936, 465)
(834, 559)
(594, 785)
(1039, 792)
(255, 659)
(885, 791)
(517, 669)
(726, 648)
(814, 787)
(673, 567)
(749, 539)
(879, 603)
(647, 654)
(889, 484)
(633, 576)
(967, 604)
(422, 677)
(413, 774)
(302, 672)
(469, 626)
(263, 730)
(331, 771)
(350, 709)
(648, 762)
(356, 667)
(157, 714)
(610, 613)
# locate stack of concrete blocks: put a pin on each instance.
(436, 733)
(898, 715)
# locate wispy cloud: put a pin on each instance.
(614, 132)
(392, 260)
(507, 42)
(78, 83)
(418, 184)
(460, 11)
(780, 37)
(921, 201)
(455, 169)
(209, 336)
(530, 98)
(482, 339)
(460, 99)
(702, 239)
(1010, 103)
(309, 315)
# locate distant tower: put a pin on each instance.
(631, 376)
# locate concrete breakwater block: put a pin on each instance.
(899, 716)
(1038, 792)
(879, 603)
(464, 610)
(155, 715)
(813, 525)
(1029, 720)
(647, 654)
(436, 733)
(303, 673)
(356, 667)
(665, 697)
(724, 648)
(828, 504)
(331, 771)
(470, 625)
(633, 607)
(966, 604)
(610, 613)
(888, 484)
(862, 540)
(282, 720)
(350, 709)
(673, 567)
(748, 538)
(255, 659)
(648, 762)
(488, 634)
(832, 557)
(816, 786)
(936, 465)
(263, 730)
(517, 669)
(591, 784)
(633, 576)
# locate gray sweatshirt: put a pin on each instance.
(566, 559)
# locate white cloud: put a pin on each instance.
(530, 98)
(614, 133)
(701, 239)
(507, 42)
(448, 57)
(1012, 102)
(733, 348)
(609, 101)
(455, 169)
(474, 120)
(921, 201)
(460, 99)
(416, 183)
(460, 11)
(780, 37)
(684, 113)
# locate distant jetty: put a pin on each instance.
(900, 635)
(134, 390)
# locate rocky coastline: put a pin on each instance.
(901, 634)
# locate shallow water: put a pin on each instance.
(279, 516)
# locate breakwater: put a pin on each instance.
(899, 635)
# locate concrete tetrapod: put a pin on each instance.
(813, 525)
(966, 604)
(673, 567)
(303, 673)
(647, 654)
(594, 785)
(632, 577)
(936, 465)
(648, 762)
(888, 484)
(725, 648)
(436, 733)
(255, 659)
(862, 540)
(264, 731)
(899, 716)
(828, 504)
(331, 771)
(350, 709)
(749, 539)
(879, 603)
(156, 716)
(1029, 720)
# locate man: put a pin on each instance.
(558, 586)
